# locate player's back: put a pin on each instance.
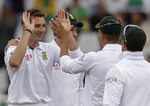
(103, 61)
(136, 72)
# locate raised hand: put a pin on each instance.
(63, 18)
(28, 23)
(61, 25)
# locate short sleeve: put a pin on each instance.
(7, 56)
(76, 53)
(114, 84)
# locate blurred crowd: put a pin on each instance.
(89, 12)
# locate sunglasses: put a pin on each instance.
(124, 31)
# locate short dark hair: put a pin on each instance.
(35, 13)
(111, 37)
(134, 37)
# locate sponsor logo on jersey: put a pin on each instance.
(56, 66)
(111, 79)
(28, 56)
(44, 55)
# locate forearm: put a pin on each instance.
(64, 47)
(18, 54)
(72, 44)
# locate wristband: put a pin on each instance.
(28, 30)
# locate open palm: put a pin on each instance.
(26, 20)
(63, 18)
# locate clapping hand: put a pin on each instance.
(28, 23)
(61, 25)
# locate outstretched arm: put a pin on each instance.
(18, 54)
(62, 28)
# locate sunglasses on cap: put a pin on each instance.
(124, 31)
(110, 22)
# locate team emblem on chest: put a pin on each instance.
(44, 56)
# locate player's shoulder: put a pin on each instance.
(122, 65)
(88, 56)
(10, 49)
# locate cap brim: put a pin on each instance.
(78, 24)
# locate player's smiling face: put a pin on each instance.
(40, 29)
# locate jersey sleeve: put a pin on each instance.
(76, 53)
(77, 65)
(7, 56)
(113, 88)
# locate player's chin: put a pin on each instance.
(40, 37)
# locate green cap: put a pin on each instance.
(110, 25)
(134, 36)
(74, 21)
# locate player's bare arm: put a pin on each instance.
(18, 54)
(72, 43)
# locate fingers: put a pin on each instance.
(61, 14)
(13, 42)
(54, 24)
(28, 17)
(61, 25)
(23, 17)
(28, 23)
(53, 28)
(67, 16)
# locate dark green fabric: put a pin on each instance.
(110, 25)
(136, 37)
(135, 2)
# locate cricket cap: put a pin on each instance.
(134, 36)
(110, 25)
(74, 21)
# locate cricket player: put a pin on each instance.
(95, 64)
(30, 63)
(127, 82)
(67, 89)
